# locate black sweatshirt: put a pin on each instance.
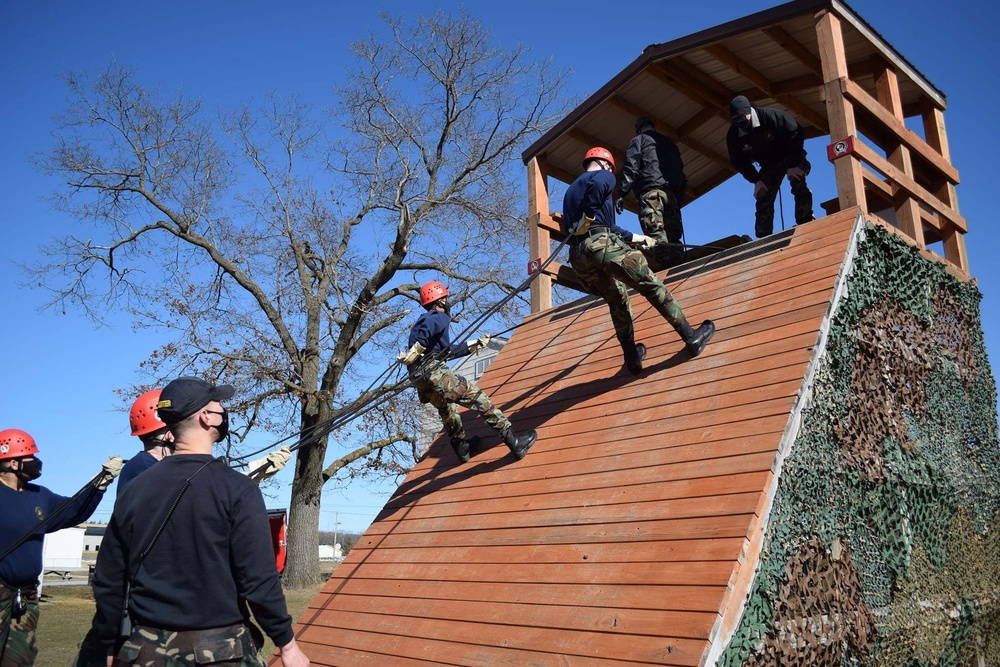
(775, 139)
(214, 552)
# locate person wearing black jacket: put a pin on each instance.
(654, 170)
(189, 549)
(774, 140)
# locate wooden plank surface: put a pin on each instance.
(615, 541)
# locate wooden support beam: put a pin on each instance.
(859, 96)
(538, 238)
(783, 39)
(937, 138)
(766, 86)
(686, 84)
(696, 121)
(680, 138)
(839, 112)
(901, 180)
(788, 86)
(887, 93)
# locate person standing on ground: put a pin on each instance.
(437, 384)
(654, 172)
(603, 256)
(774, 140)
(189, 550)
(24, 505)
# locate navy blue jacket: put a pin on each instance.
(591, 194)
(136, 465)
(23, 510)
(431, 331)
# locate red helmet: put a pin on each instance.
(15, 443)
(598, 153)
(431, 292)
(142, 417)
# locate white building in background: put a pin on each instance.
(331, 552)
(92, 539)
(63, 549)
(472, 367)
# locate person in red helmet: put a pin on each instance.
(606, 261)
(26, 504)
(157, 441)
(440, 386)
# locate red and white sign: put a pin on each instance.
(840, 148)
(534, 265)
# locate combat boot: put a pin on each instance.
(464, 449)
(696, 340)
(519, 444)
(634, 354)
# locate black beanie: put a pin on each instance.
(740, 106)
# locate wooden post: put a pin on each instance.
(937, 138)
(539, 246)
(887, 93)
(839, 111)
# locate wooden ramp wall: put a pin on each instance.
(629, 534)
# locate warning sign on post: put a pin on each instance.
(840, 148)
(534, 265)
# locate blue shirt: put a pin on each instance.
(431, 331)
(591, 194)
(21, 512)
(137, 464)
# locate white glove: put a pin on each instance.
(109, 470)
(411, 355)
(758, 189)
(269, 466)
(796, 174)
(581, 227)
(479, 344)
(641, 241)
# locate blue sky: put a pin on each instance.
(58, 373)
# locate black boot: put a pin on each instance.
(519, 444)
(464, 449)
(634, 354)
(696, 340)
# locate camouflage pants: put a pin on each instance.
(772, 176)
(660, 216)
(17, 635)
(443, 388)
(605, 264)
(153, 647)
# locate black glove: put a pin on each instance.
(620, 205)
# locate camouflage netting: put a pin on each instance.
(883, 547)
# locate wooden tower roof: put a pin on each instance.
(816, 59)
(630, 533)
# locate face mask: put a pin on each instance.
(30, 470)
(743, 123)
(223, 426)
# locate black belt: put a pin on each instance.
(593, 230)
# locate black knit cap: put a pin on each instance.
(740, 106)
(642, 121)
(187, 395)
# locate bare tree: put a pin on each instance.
(281, 248)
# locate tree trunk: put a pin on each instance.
(303, 522)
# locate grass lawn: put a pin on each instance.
(66, 612)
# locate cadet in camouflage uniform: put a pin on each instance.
(774, 140)
(600, 253)
(437, 384)
(193, 542)
(654, 171)
(24, 505)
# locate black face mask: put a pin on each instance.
(223, 426)
(30, 470)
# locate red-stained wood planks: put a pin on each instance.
(616, 540)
